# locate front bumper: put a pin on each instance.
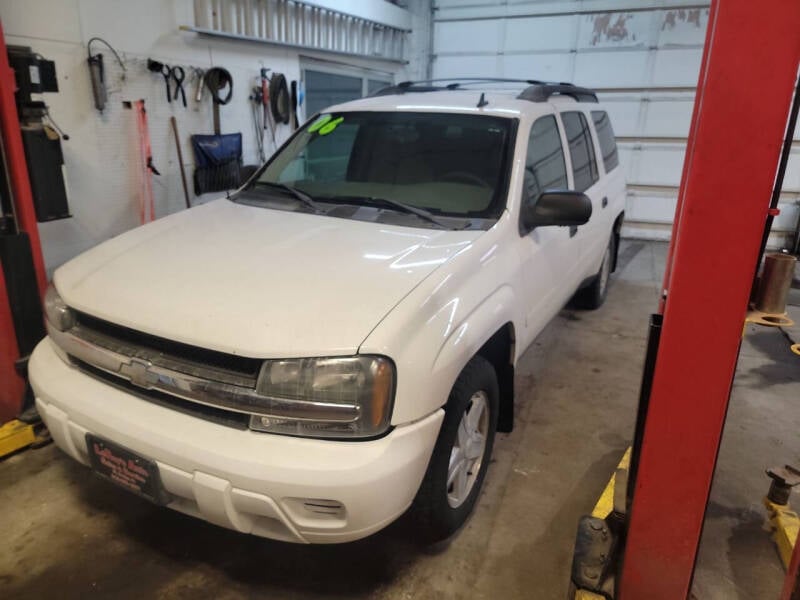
(264, 484)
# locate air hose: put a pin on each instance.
(279, 98)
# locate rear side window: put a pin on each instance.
(605, 136)
(584, 165)
(545, 168)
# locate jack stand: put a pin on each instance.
(597, 542)
(783, 521)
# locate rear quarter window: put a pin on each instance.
(581, 149)
(605, 136)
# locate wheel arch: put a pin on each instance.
(616, 233)
(499, 351)
(487, 330)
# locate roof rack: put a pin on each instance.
(542, 92)
(537, 91)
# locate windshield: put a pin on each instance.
(446, 164)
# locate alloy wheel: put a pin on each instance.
(466, 456)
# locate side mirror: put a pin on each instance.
(560, 208)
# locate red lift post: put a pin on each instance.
(791, 585)
(12, 385)
(749, 69)
(17, 165)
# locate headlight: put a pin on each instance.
(363, 384)
(61, 316)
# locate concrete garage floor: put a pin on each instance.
(70, 535)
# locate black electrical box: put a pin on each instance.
(40, 137)
(34, 74)
(45, 171)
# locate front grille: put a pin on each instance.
(205, 383)
(184, 358)
(175, 357)
(194, 409)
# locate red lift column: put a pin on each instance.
(17, 165)
(743, 97)
(12, 385)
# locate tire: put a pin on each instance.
(447, 495)
(594, 295)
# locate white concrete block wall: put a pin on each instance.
(643, 56)
(102, 156)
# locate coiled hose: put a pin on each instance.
(279, 98)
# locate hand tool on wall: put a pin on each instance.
(200, 76)
(174, 124)
(257, 103)
(294, 101)
(178, 75)
(265, 91)
(163, 70)
(97, 73)
(301, 97)
(265, 100)
(217, 80)
(53, 125)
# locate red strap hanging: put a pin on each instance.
(146, 200)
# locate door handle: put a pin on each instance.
(604, 202)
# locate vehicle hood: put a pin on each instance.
(254, 281)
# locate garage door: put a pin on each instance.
(642, 56)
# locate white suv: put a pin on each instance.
(335, 342)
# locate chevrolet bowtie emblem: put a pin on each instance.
(138, 371)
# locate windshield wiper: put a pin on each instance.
(397, 206)
(295, 193)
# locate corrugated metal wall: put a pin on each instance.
(642, 55)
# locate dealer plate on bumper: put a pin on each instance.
(127, 469)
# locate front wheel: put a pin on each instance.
(594, 295)
(461, 456)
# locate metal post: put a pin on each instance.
(791, 585)
(743, 98)
(12, 386)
